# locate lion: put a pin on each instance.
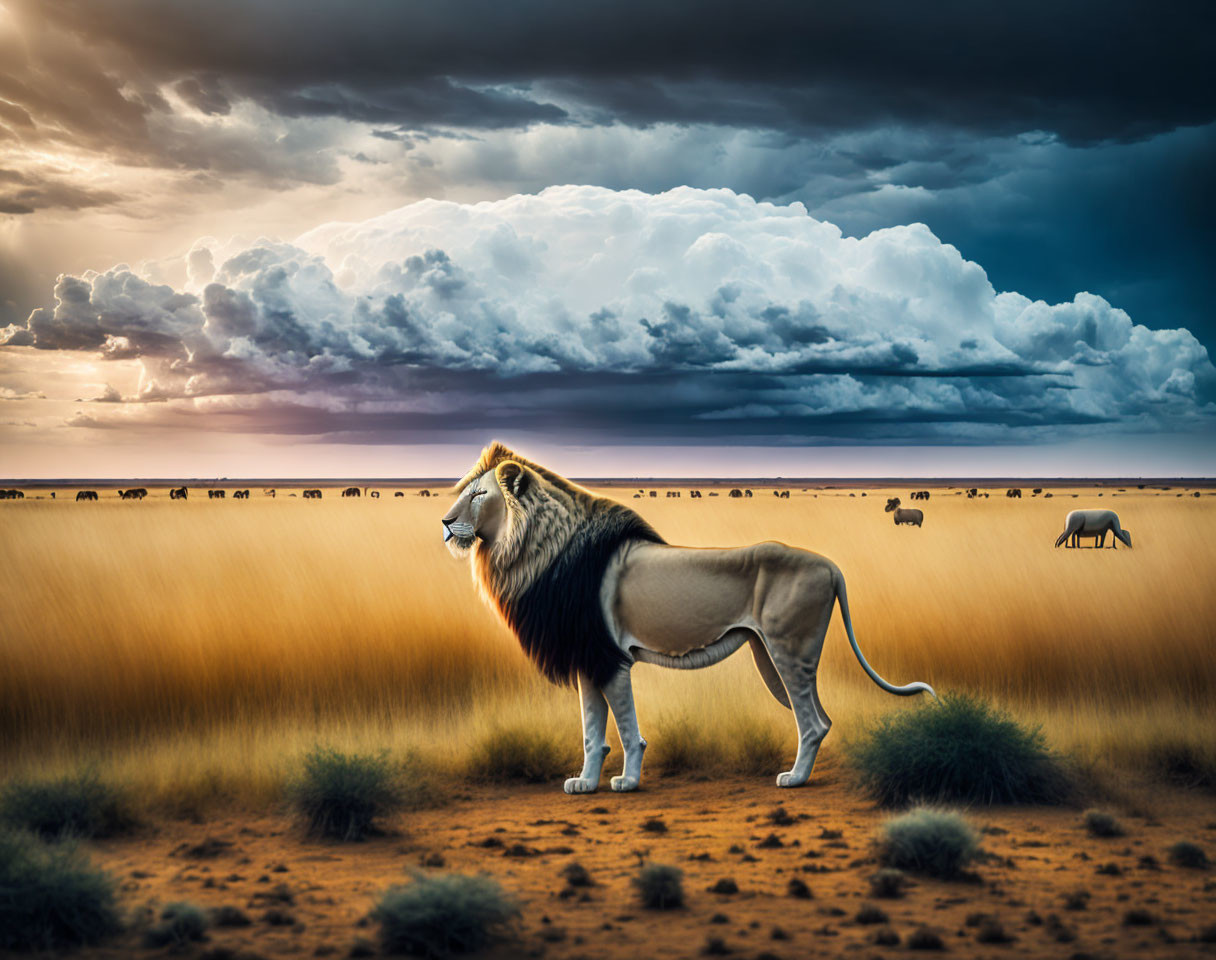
(590, 588)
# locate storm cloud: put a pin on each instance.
(611, 314)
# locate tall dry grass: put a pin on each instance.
(198, 649)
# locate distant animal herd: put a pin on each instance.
(1080, 524)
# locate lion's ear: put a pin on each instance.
(512, 477)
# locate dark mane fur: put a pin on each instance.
(558, 618)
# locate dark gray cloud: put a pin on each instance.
(691, 314)
(1086, 70)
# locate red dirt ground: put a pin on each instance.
(718, 829)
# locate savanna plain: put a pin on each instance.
(193, 654)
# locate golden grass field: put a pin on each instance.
(195, 650)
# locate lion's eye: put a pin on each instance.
(479, 493)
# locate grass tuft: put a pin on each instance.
(80, 805)
(180, 924)
(1102, 824)
(443, 914)
(52, 898)
(684, 746)
(957, 750)
(1187, 854)
(343, 795)
(660, 887)
(523, 754)
(933, 842)
(888, 883)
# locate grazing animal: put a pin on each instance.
(912, 517)
(735, 493)
(178, 493)
(1036, 491)
(269, 493)
(351, 492)
(424, 493)
(240, 494)
(920, 494)
(972, 493)
(747, 493)
(398, 494)
(1093, 523)
(138, 493)
(654, 493)
(781, 494)
(589, 588)
(11, 495)
(312, 494)
(1016, 493)
(375, 494)
(695, 495)
(215, 494)
(86, 495)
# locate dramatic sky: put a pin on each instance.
(286, 237)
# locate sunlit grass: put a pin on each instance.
(194, 651)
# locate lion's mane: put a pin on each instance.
(545, 571)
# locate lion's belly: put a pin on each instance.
(676, 599)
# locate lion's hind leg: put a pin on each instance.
(801, 683)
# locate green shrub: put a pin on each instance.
(343, 795)
(933, 842)
(1187, 854)
(442, 914)
(957, 750)
(660, 887)
(180, 924)
(52, 898)
(80, 805)
(1102, 824)
(522, 754)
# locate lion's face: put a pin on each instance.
(481, 510)
(478, 513)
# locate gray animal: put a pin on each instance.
(1093, 523)
(913, 516)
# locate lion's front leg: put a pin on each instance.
(619, 691)
(595, 747)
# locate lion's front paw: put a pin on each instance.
(624, 784)
(788, 779)
(580, 785)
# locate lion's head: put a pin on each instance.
(540, 546)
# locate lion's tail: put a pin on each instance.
(905, 691)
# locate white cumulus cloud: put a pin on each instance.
(686, 314)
